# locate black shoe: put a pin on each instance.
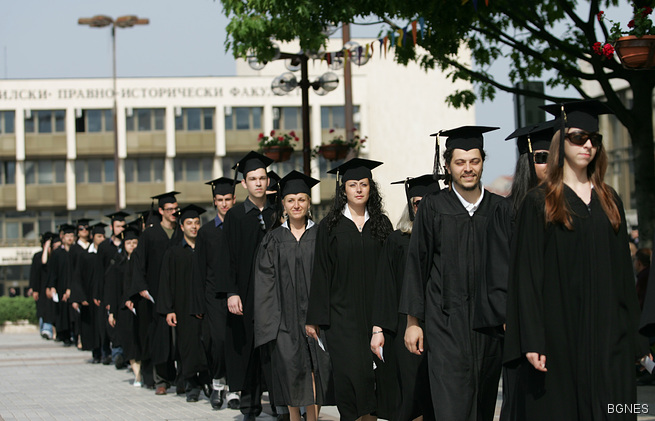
(106, 361)
(67, 343)
(249, 417)
(95, 361)
(119, 362)
(234, 403)
(284, 417)
(207, 390)
(192, 398)
(216, 399)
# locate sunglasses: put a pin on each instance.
(540, 157)
(580, 138)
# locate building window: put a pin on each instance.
(335, 117)
(287, 118)
(193, 169)
(146, 119)
(144, 170)
(7, 122)
(45, 172)
(46, 121)
(95, 121)
(7, 172)
(243, 118)
(195, 119)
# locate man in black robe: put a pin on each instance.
(213, 256)
(158, 355)
(245, 227)
(59, 283)
(444, 263)
(38, 280)
(179, 267)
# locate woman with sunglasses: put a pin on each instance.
(572, 309)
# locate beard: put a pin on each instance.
(469, 187)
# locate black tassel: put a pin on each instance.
(409, 201)
(234, 182)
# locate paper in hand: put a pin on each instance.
(648, 364)
(55, 297)
(320, 343)
(382, 354)
(150, 297)
(134, 310)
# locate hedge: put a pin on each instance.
(17, 308)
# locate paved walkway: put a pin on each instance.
(42, 380)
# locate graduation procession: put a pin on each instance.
(472, 306)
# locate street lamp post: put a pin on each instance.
(101, 21)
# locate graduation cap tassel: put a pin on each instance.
(409, 201)
(533, 171)
(562, 135)
(234, 182)
(437, 162)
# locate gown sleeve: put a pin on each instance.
(267, 304)
(385, 302)
(165, 300)
(139, 282)
(197, 303)
(318, 311)
(230, 280)
(647, 323)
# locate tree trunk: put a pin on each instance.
(641, 133)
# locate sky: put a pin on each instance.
(41, 39)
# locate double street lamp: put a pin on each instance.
(101, 21)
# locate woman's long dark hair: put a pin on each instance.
(380, 226)
(524, 180)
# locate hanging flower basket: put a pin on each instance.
(333, 152)
(278, 153)
(636, 53)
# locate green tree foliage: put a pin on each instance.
(548, 39)
(13, 309)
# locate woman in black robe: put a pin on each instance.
(301, 369)
(348, 247)
(572, 308)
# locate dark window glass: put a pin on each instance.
(338, 118)
(80, 171)
(60, 121)
(30, 176)
(143, 170)
(109, 170)
(158, 170)
(179, 122)
(179, 169)
(44, 172)
(94, 119)
(290, 118)
(193, 119)
(144, 117)
(109, 120)
(60, 171)
(228, 121)
(256, 118)
(94, 170)
(192, 169)
(45, 225)
(10, 172)
(129, 123)
(208, 118)
(45, 121)
(243, 118)
(80, 123)
(129, 170)
(28, 231)
(29, 124)
(206, 166)
(325, 118)
(11, 229)
(9, 118)
(160, 116)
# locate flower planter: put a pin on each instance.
(636, 53)
(333, 152)
(278, 153)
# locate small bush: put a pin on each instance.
(17, 308)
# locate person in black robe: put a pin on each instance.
(59, 284)
(348, 246)
(572, 308)
(300, 368)
(158, 354)
(179, 266)
(213, 260)
(82, 243)
(444, 263)
(408, 391)
(106, 252)
(122, 315)
(491, 298)
(244, 228)
(38, 280)
(82, 293)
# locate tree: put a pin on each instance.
(520, 31)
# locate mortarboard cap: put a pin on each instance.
(418, 186)
(465, 137)
(164, 198)
(273, 180)
(355, 169)
(117, 216)
(296, 182)
(98, 228)
(130, 233)
(189, 211)
(47, 236)
(252, 161)
(221, 186)
(533, 138)
(82, 222)
(67, 228)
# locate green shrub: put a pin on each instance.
(17, 308)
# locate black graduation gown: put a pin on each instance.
(59, 277)
(213, 262)
(177, 270)
(106, 251)
(406, 384)
(38, 279)
(444, 262)
(148, 258)
(244, 232)
(647, 322)
(341, 303)
(117, 284)
(282, 284)
(82, 290)
(572, 298)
